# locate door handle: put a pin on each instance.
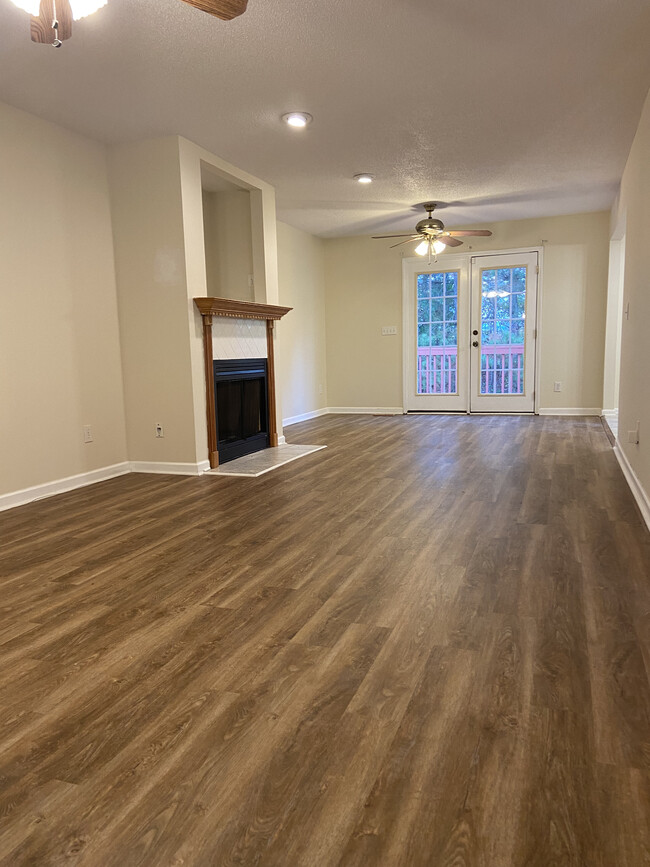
(474, 342)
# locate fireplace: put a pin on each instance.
(241, 404)
(241, 312)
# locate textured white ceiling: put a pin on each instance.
(511, 108)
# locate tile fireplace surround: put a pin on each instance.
(238, 338)
(238, 333)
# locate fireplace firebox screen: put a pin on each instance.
(241, 403)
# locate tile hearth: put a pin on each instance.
(264, 461)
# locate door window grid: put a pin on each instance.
(503, 315)
(437, 317)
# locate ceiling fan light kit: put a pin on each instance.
(31, 6)
(433, 236)
(82, 8)
(425, 247)
(51, 21)
(79, 8)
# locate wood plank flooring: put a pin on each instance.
(428, 644)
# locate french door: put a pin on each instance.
(504, 305)
(469, 333)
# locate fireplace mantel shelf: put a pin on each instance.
(239, 309)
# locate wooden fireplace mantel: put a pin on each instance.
(209, 307)
(239, 309)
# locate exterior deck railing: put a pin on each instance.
(437, 369)
(502, 369)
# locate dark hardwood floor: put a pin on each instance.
(426, 645)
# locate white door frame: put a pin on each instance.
(412, 265)
(614, 323)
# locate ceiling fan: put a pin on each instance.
(51, 22)
(433, 236)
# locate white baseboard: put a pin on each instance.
(610, 416)
(638, 491)
(60, 486)
(282, 441)
(344, 410)
(366, 410)
(398, 410)
(170, 469)
(305, 416)
(570, 410)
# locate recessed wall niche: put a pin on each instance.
(228, 239)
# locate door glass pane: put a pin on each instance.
(437, 333)
(503, 314)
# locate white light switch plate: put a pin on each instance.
(386, 330)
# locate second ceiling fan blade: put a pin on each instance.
(449, 242)
(408, 241)
(381, 237)
(477, 233)
(41, 29)
(224, 9)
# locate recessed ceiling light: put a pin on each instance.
(298, 119)
(364, 178)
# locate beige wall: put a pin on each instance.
(364, 292)
(363, 281)
(58, 309)
(153, 300)
(634, 390)
(228, 248)
(302, 378)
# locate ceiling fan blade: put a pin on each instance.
(224, 9)
(478, 233)
(448, 242)
(381, 237)
(41, 26)
(408, 241)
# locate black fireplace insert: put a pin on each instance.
(241, 403)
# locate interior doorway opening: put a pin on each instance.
(613, 328)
